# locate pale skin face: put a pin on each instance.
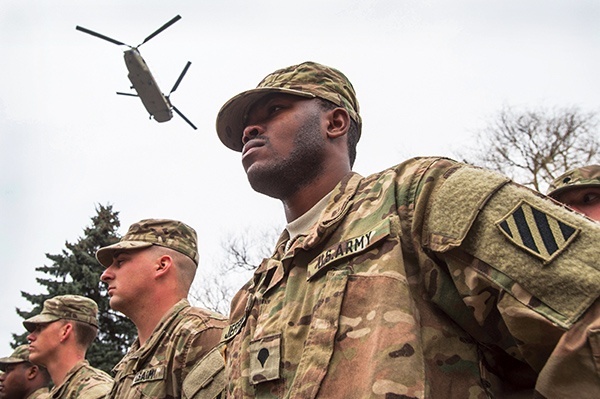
(44, 341)
(585, 200)
(128, 277)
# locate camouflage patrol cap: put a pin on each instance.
(587, 176)
(145, 233)
(20, 355)
(308, 79)
(70, 307)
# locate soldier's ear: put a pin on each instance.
(338, 122)
(65, 331)
(32, 372)
(163, 265)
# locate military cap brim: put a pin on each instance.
(20, 355)
(232, 116)
(31, 323)
(105, 255)
(561, 190)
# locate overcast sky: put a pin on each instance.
(428, 75)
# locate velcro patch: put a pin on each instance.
(538, 233)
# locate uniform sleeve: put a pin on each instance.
(207, 378)
(203, 375)
(525, 267)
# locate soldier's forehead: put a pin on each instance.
(274, 96)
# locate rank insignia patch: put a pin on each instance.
(537, 232)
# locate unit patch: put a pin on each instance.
(537, 232)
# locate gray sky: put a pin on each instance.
(428, 75)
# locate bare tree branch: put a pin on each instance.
(243, 253)
(533, 147)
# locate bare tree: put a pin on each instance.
(535, 147)
(243, 252)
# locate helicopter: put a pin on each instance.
(157, 104)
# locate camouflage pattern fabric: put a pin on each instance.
(42, 393)
(83, 382)
(70, 307)
(411, 286)
(587, 176)
(159, 368)
(19, 355)
(308, 79)
(167, 233)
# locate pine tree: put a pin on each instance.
(76, 271)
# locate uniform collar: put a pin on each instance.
(336, 208)
(57, 392)
(141, 353)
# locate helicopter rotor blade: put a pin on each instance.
(180, 77)
(165, 26)
(127, 94)
(184, 118)
(98, 35)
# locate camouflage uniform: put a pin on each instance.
(586, 176)
(179, 360)
(42, 393)
(159, 368)
(427, 289)
(431, 279)
(83, 382)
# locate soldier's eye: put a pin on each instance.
(590, 198)
(274, 108)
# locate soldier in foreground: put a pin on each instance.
(579, 189)
(58, 340)
(21, 379)
(431, 279)
(149, 274)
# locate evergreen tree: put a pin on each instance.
(76, 271)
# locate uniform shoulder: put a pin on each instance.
(205, 314)
(93, 384)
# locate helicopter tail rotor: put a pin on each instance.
(159, 30)
(127, 94)
(184, 118)
(100, 36)
(181, 75)
(185, 69)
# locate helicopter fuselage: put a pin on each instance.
(155, 102)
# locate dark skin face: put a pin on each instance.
(283, 149)
(18, 381)
(294, 150)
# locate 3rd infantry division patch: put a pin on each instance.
(537, 232)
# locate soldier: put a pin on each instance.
(431, 279)
(59, 338)
(149, 274)
(579, 189)
(21, 379)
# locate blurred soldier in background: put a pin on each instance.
(579, 189)
(59, 338)
(149, 274)
(21, 379)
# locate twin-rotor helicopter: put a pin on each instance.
(157, 104)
